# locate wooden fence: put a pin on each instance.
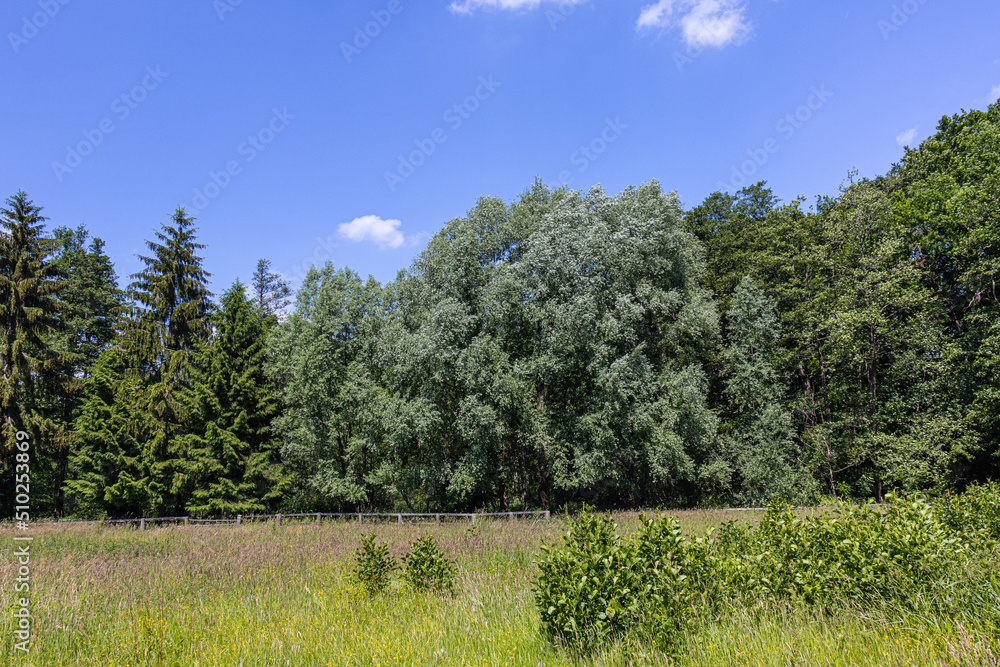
(362, 517)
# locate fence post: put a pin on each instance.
(142, 524)
(437, 518)
(186, 520)
(279, 519)
(239, 519)
(359, 518)
(546, 514)
(318, 515)
(473, 519)
(510, 515)
(399, 519)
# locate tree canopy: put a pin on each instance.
(562, 348)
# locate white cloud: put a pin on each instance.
(906, 138)
(469, 6)
(384, 233)
(995, 93)
(652, 16)
(702, 22)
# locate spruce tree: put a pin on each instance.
(271, 292)
(169, 321)
(109, 474)
(90, 306)
(170, 316)
(233, 453)
(92, 302)
(28, 317)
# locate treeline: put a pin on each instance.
(566, 347)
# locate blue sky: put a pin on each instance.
(293, 135)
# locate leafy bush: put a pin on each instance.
(597, 584)
(911, 552)
(372, 565)
(973, 515)
(665, 561)
(427, 569)
(853, 554)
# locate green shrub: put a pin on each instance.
(855, 554)
(373, 565)
(909, 553)
(973, 515)
(427, 569)
(596, 585)
(665, 562)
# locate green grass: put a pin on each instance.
(266, 596)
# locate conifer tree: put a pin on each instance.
(171, 301)
(169, 320)
(92, 302)
(109, 475)
(233, 453)
(271, 292)
(90, 306)
(28, 316)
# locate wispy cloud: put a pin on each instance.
(906, 138)
(470, 6)
(995, 93)
(383, 233)
(658, 15)
(702, 22)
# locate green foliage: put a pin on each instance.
(427, 569)
(141, 452)
(109, 474)
(170, 316)
(760, 449)
(231, 453)
(92, 302)
(318, 361)
(974, 514)
(949, 204)
(854, 554)
(90, 307)
(373, 566)
(563, 348)
(911, 554)
(271, 292)
(168, 322)
(29, 363)
(596, 585)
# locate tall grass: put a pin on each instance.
(262, 596)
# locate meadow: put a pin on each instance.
(263, 595)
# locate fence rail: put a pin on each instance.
(372, 517)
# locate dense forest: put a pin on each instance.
(563, 348)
